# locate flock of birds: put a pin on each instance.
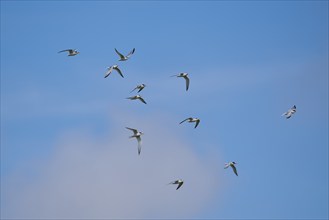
(137, 134)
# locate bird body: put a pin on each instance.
(178, 182)
(137, 134)
(139, 87)
(196, 120)
(123, 57)
(71, 52)
(290, 112)
(137, 97)
(111, 68)
(231, 164)
(185, 76)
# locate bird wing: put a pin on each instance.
(294, 107)
(133, 89)
(234, 169)
(130, 53)
(69, 50)
(179, 185)
(183, 121)
(140, 98)
(140, 89)
(132, 129)
(119, 71)
(226, 166)
(174, 75)
(197, 123)
(139, 140)
(173, 182)
(187, 82)
(121, 56)
(108, 72)
(132, 97)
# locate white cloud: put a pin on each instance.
(89, 177)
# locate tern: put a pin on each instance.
(231, 164)
(290, 112)
(185, 76)
(137, 97)
(196, 120)
(137, 134)
(139, 87)
(122, 57)
(179, 182)
(114, 67)
(71, 52)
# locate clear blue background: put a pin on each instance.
(248, 61)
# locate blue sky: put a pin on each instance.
(65, 152)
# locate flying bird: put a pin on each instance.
(137, 97)
(137, 134)
(290, 112)
(139, 87)
(196, 120)
(122, 57)
(111, 68)
(71, 52)
(185, 76)
(231, 164)
(179, 182)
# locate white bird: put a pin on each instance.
(290, 112)
(137, 134)
(122, 57)
(114, 67)
(139, 87)
(196, 120)
(179, 182)
(231, 164)
(71, 52)
(185, 76)
(137, 97)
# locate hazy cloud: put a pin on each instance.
(89, 177)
